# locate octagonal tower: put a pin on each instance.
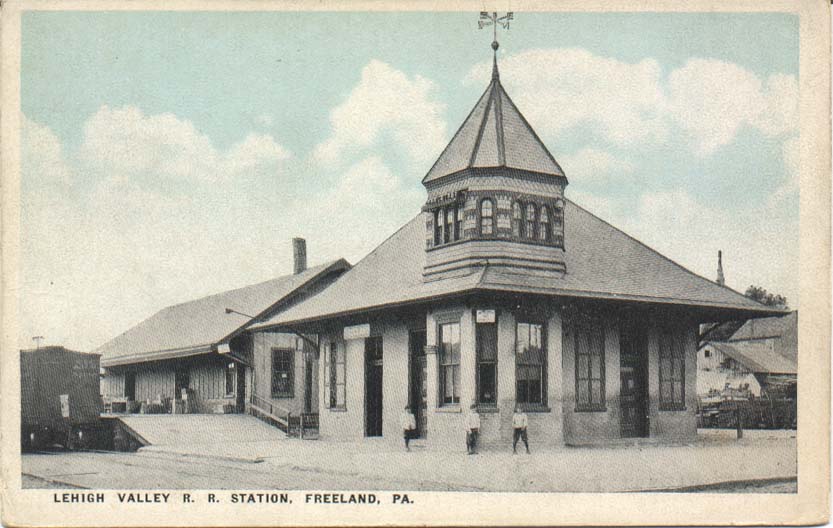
(495, 196)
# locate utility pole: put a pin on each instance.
(37, 340)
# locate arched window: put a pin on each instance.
(517, 219)
(486, 217)
(449, 225)
(530, 220)
(458, 231)
(438, 227)
(544, 224)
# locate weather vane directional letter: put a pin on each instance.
(491, 19)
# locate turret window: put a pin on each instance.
(438, 227)
(517, 219)
(458, 231)
(449, 225)
(486, 217)
(530, 221)
(544, 224)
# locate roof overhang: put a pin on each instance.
(157, 355)
(708, 311)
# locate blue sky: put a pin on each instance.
(169, 155)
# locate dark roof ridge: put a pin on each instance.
(677, 264)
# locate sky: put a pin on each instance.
(172, 155)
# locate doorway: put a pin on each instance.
(633, 392)
(181, 381)
(130, 386)
(309, 368)
(373, 386)
(418, 381)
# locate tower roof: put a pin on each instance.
(495, 134)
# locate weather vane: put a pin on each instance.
(492, 19)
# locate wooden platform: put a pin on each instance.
(174, 429)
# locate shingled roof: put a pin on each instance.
(194, 327)
(602, 262)
(760, 358)
(495, 134)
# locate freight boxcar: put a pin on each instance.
(60, 399)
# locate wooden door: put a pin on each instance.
(633, 392)
(418, 382)
(373, 386)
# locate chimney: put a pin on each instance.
(720, 278)
(299, 255)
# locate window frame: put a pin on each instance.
(587, 378)
(518, 219)
(544, 231)
(331, 385)
(478, 344)
(290, 393)
(531, 321)
(671, 349)
(531, 220)
(490, 217)
(443, 366)
(439, 219)
(230, 370)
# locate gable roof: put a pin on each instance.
(766, 327)
(758, 357)
(602, 262)
(495, 134)
(193, 327)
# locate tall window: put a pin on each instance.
(517, 219)
(486, 217)
(334, 376)
(439, 217)
(588, 344)
(530, 220)
(544, 224)
(458, 230)
(283, 368)
(449, 225)
(486, 336)
(450, 364)
(671, 372)
(231, 372)
(530, 364)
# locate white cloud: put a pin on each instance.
(633, 103)
(386, 103)
(563, 88)
(712, 100)
(42, 156)
(366, 206)
(591, 166)
(126, 143)
(791, 153)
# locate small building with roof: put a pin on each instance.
(199, 351)
(503, 294)
(765, 349)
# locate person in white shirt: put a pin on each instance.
(472, 429)
(408, 426)
(519, 424)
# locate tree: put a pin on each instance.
(762, 296)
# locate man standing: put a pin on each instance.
(472, 429)
(408, 426)
(519, 424)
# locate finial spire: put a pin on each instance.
(492, 19)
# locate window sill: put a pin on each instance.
(535, 408)
(337, 409)
(671, 408)
(487, 409)
(591, 409)
(282, 396)
(449, 409)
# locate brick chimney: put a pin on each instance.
(299, 255)
(720, 278)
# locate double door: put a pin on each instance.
(418, 382)
(633, 373)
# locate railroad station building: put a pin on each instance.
(500, 293)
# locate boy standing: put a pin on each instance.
(472, 429)
(408, 426)
(519, 424)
